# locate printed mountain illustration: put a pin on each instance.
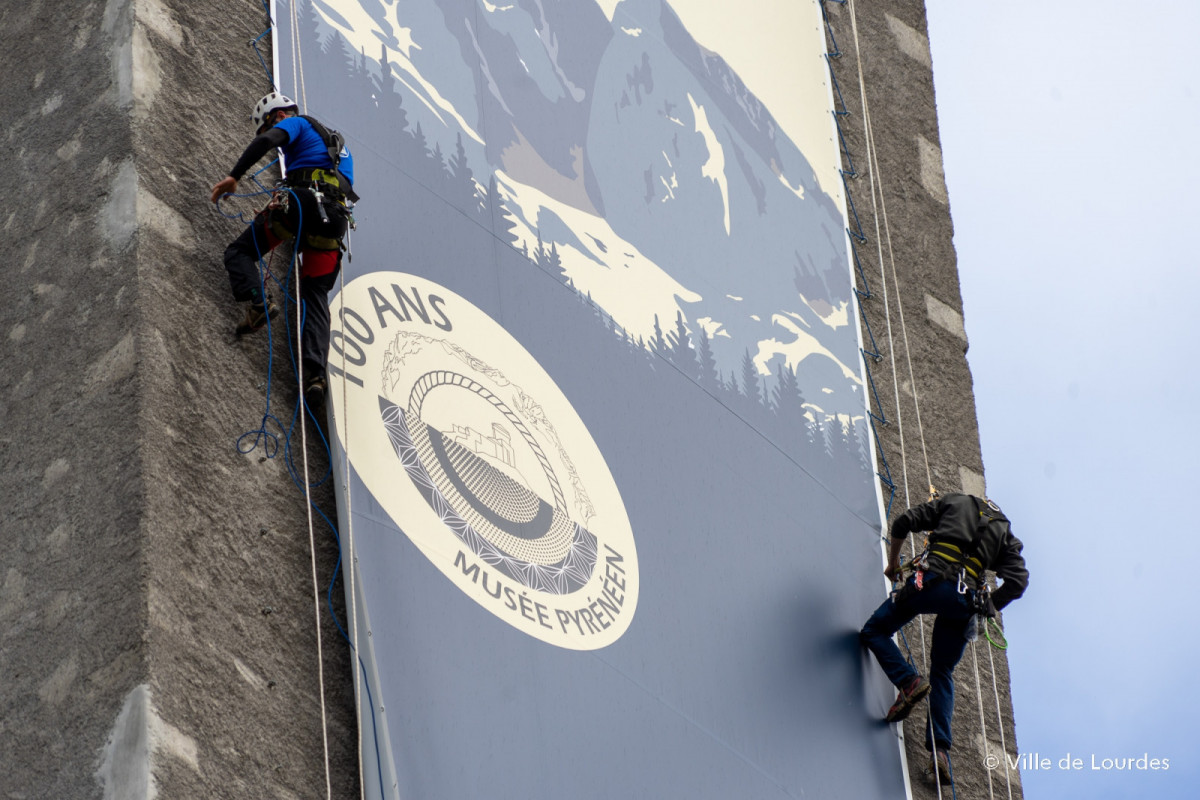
(661, 185)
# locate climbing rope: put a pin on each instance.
(877, 181)
(270, 440)
(979, 698)
(255, 41)
(1000, 721)
(297, 59)
(879, 208)
(353, 569)
(1003, 643)
(878, 203)
(298, 63)
(856, 236)
(312, 536)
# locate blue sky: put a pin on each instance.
(1069, 137)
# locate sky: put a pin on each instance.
(1068, 133)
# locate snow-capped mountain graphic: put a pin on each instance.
(661, 182)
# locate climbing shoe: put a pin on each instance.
(940, 767)
(257, 316)
(911, 694)
(314, 390)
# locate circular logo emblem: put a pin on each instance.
(479, 458)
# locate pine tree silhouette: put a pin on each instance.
(554, 266)
(707, 361)
(750, 380)
(827, 436)
(438, 163)
(503, 223)
(420, 151)
(658, 343)
(392, 118)
(681, 347)
(786, 397)
(773, 402)
(464, 192)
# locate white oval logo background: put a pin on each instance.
(477, 456)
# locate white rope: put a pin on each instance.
(912, 378)
(878, 205)
(352, 566)
(294, 34)
(877, 183)
(298, 60)
(298, 82)
(887, 309)
(876, 197)
(983, 727)
(312, 537)
(877, 179)
(929, 476)
(1000, 718)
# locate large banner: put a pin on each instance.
(597, 400)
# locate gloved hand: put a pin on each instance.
(228, 185)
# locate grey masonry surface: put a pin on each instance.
(156, 612)
(941, 435)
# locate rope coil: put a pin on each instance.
(267, 438)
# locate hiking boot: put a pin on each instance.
(909, 696)
(257, 316)
(940, 767)
(314, 390)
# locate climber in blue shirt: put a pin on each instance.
(313, 204)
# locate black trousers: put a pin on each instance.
(241, 262)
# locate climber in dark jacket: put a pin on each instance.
(968, 536)
(312, 205)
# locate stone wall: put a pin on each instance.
(922, 380)
(157, 628)
(157, 631)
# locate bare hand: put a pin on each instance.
(889, 571)
(226, 186)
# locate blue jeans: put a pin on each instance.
(940, 596)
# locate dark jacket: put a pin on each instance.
(969, 526)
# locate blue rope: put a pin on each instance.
(261, 434)
(950, 764)
(875, 355)
(853, 173)
(837, 53)
(860, 236)
(856, 236)
(865, 294)
(270, 441)
(886, 474)
(836, 88)
(361, 665)
(254, 44)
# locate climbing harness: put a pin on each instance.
(336, 217)
(334, 197)
(877, 415)
(335, 146)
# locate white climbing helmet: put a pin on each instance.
(272, 102)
